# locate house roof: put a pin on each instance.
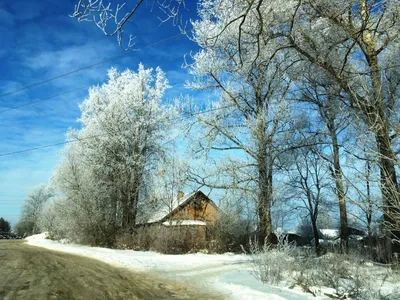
(335, 233)
(162, 213)
(330, 233)
(184, 223)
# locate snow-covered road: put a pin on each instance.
(228, 274)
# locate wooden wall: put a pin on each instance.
(198, 209)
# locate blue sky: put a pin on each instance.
(39, 41)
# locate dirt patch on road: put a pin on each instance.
(28, 272)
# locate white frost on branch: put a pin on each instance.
(106, 176)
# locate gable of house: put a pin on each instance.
(199, 207)
(195, 206)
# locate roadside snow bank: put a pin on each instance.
(139, 260)
(228, 274)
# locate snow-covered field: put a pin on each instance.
(228, 274)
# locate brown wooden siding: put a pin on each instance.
(200, 209)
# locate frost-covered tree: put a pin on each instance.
(112, 19)
(308, 184)
(323, 96)
(84, 212)
(250, 118)
(106, 173)
(55, 220)
(354, 42)
(33, 206)
(363, 179)
(169, 181)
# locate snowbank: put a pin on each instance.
(139, 260)
(229, 274)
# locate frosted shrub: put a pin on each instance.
(338, 276)
(272, 262)
(305, 271)
(167, 240)
(228, 233)
(174, 240)
(347, 275)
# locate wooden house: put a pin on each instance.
(194, 210)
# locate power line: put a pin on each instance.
(41, 100)
(70, 91)
(87, 67)
(91, 137)
(40, 147)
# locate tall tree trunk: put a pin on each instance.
(368, 213)
(389, 184)
(264, 176)
(264, 198)
(375, 113)
(126, 213)
(113, 235)
(313, 211)
(133, 183)
(315, 234)
(338, 175)
(134, 206)
(113, 225)
(389, 187)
